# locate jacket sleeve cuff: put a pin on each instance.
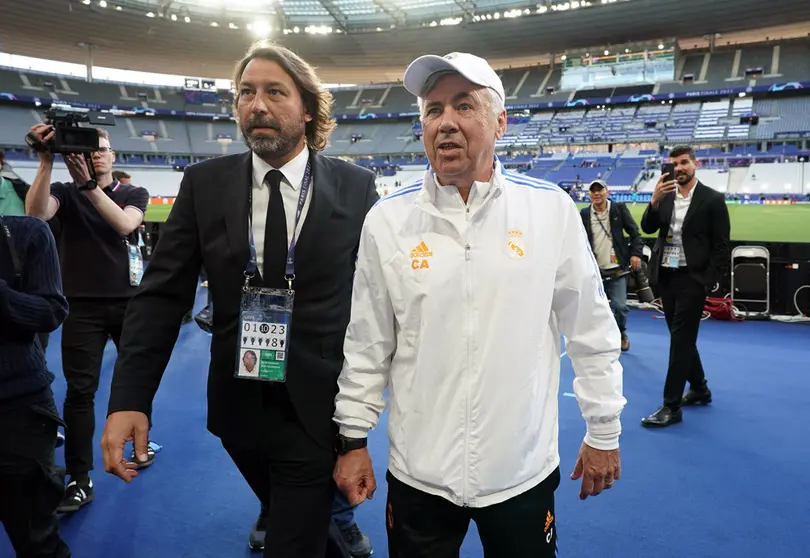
(353, 432)
(604, 436)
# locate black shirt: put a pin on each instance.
(29, 305)
(94, 257)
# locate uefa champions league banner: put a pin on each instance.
(625, 99)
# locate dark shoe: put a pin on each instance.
(663, 417)
(258, 533)
(60, 439)
(76, 496)
(625, 342)
(358, 543)
(694, 397)
(205, 319)
(150, 458)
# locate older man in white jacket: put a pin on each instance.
(465, 281)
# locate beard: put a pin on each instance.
(286, 137)
(684, 178)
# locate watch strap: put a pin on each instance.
(344, 445)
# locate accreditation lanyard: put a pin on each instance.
(602, 223)
(289, 270)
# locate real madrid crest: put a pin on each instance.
(515, 246)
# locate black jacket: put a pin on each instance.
(621, 221)
(208, 226)
(705, 235)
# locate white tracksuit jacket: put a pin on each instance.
(461, 320)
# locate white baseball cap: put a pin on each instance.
(474, 69)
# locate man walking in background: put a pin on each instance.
(689, 260)
(606, 222)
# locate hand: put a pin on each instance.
(77, 167)
(635, 263)
(599, 469)
(661, 190)
(44, 133)
(354, 476)
(121, 428)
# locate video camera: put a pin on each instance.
(69, 136)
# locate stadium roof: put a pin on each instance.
(354, 51)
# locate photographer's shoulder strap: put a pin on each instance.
(15, 259)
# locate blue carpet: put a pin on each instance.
(728, 482)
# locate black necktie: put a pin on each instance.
(275, 233)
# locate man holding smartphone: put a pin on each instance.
(689, 259)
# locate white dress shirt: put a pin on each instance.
(293, 173)
(679, 210)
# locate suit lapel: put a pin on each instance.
(697, 199)
(320, 206)
(238, 184)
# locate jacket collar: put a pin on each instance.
(427, 196)
(240, 176)
(696, 196)
(293, 171)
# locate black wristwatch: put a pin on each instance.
(89, 185)
(344, 445)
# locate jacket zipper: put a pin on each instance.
(468, 265)
(470, 329)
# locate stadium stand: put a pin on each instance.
(381, 121)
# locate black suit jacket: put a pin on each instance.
(705, 235)
(620, 222)
(208, 226)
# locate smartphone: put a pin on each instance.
(668, 169)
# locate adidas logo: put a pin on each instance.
(420, 255)
(421, 251)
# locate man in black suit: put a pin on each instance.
(689, 260)
(232, 214)
(606, 222)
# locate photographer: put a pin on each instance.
(31, 303)
(605, 222)
(99, 271)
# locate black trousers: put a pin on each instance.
(293, 479)
(90, 323)
(683, 298)
(30, 488)
(421, 525)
